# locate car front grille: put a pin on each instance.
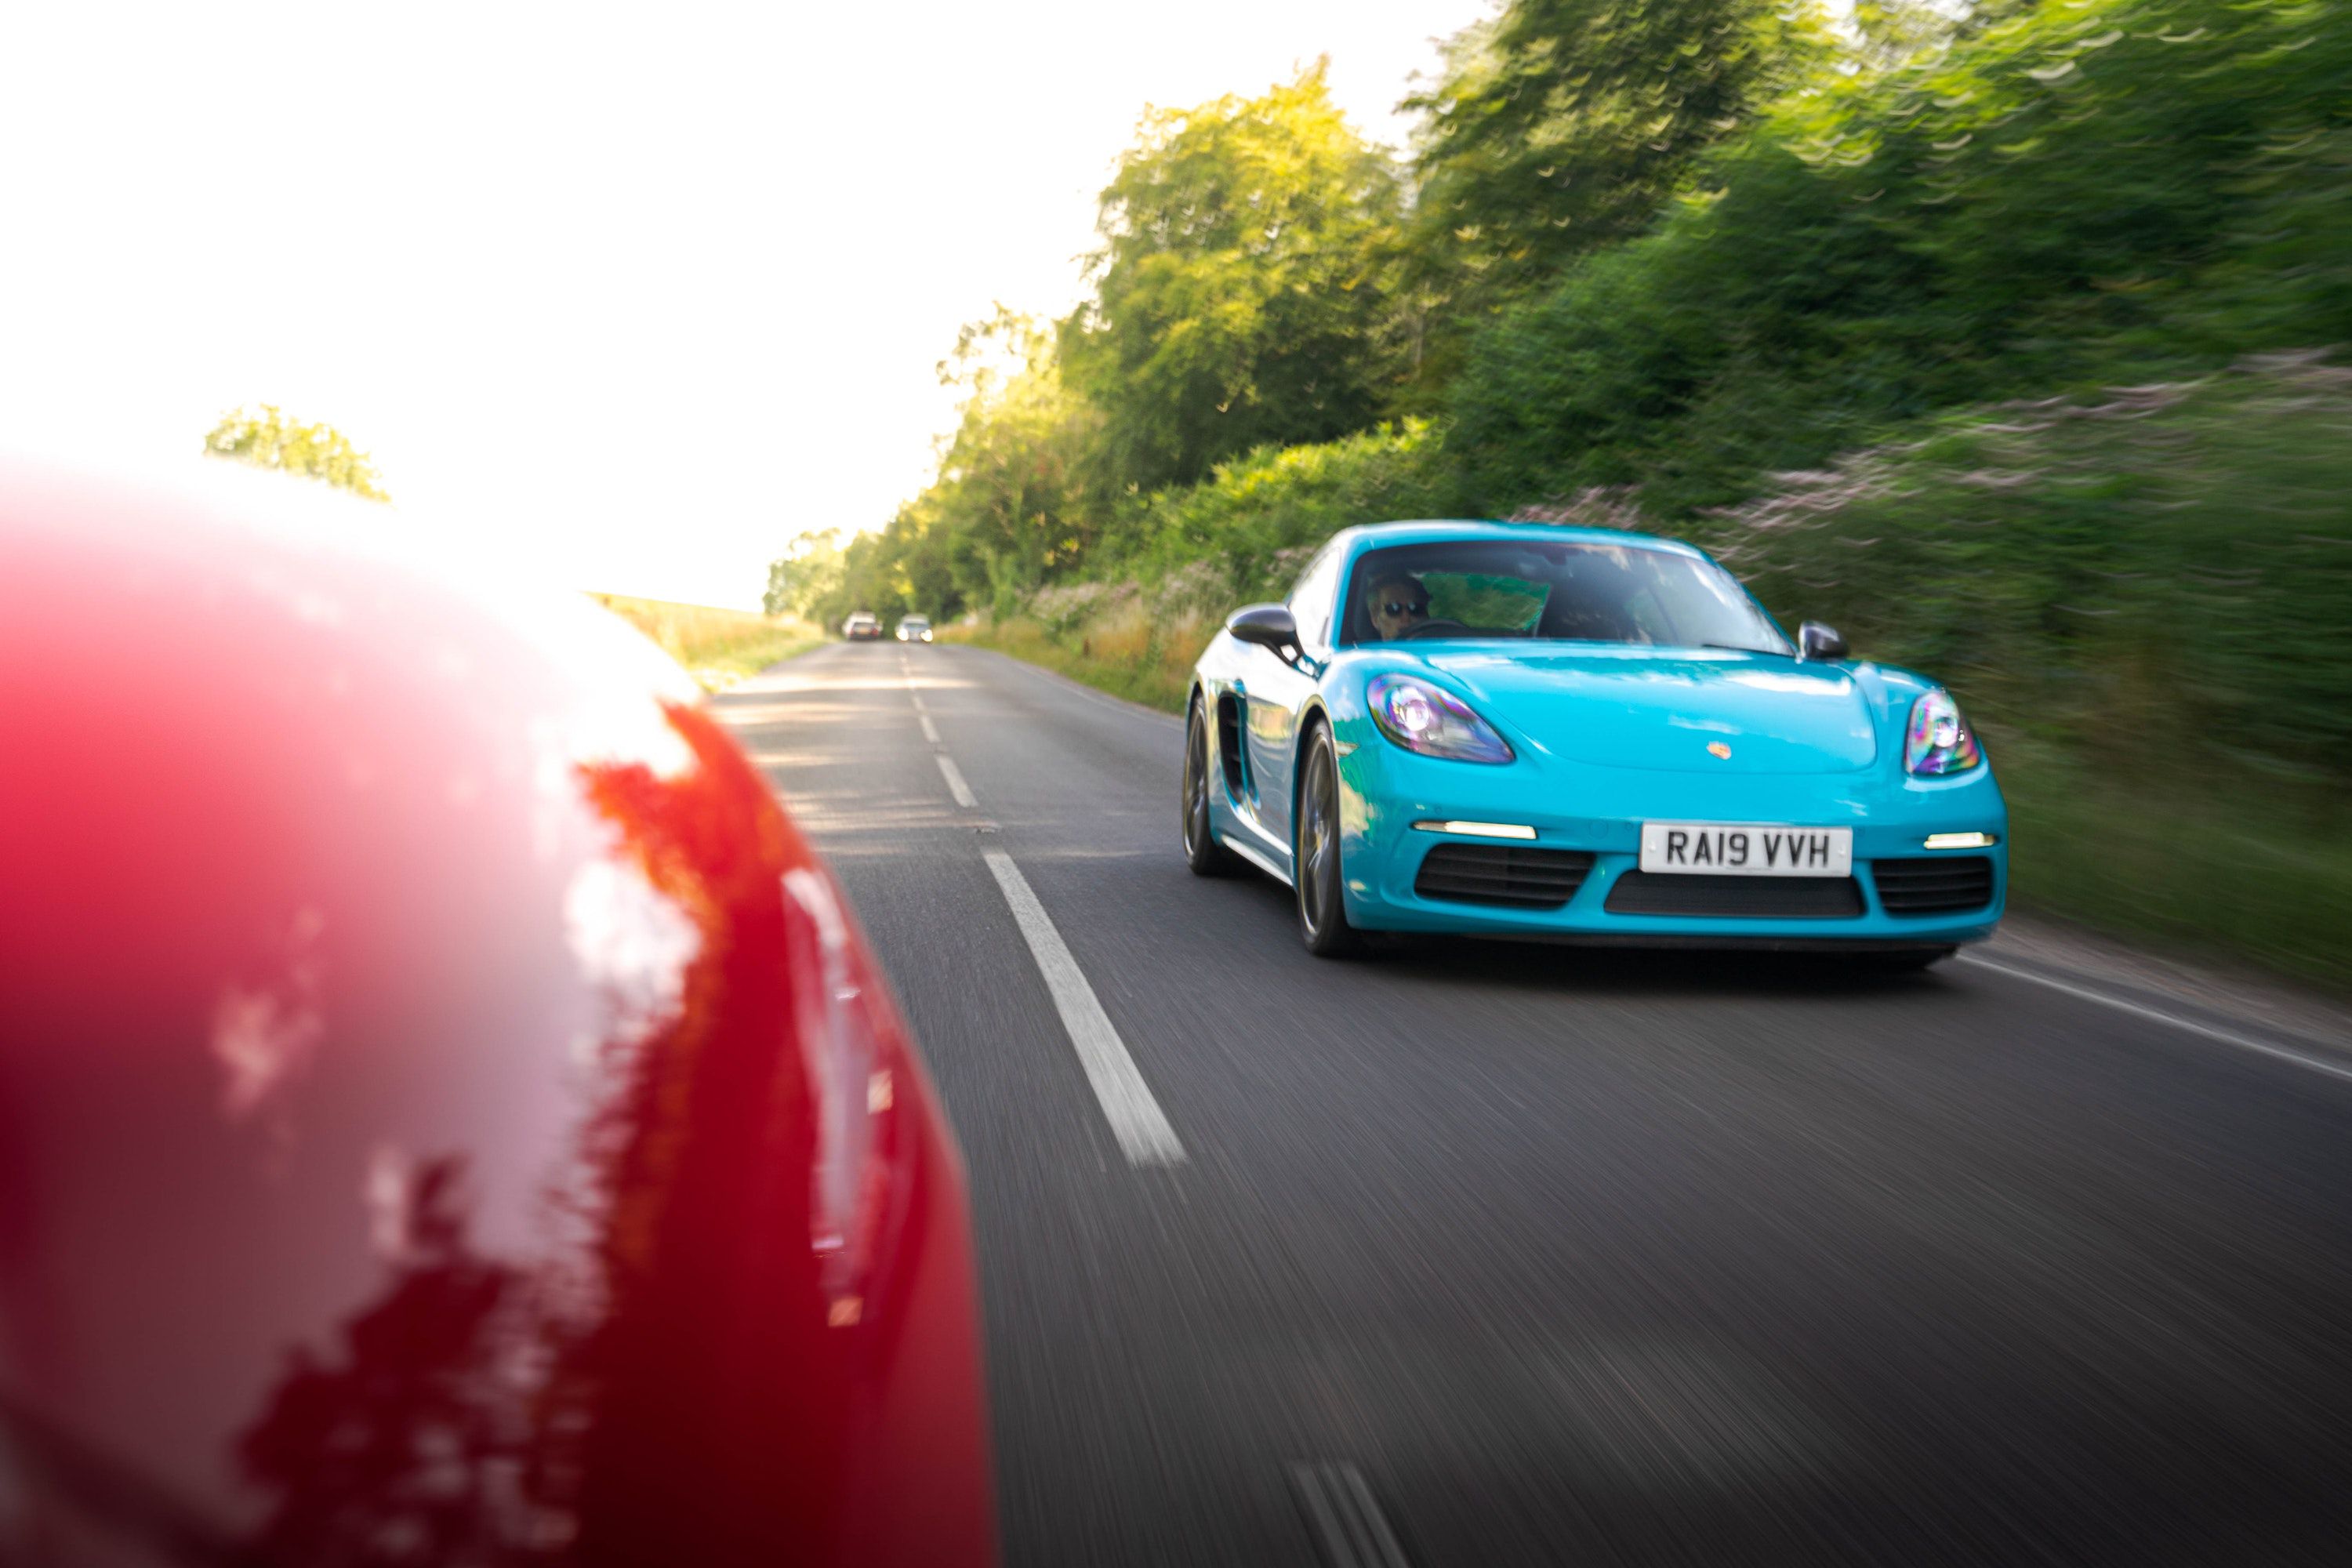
(1735, 898)
(1502, 874)
(1933, 884)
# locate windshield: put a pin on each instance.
(1564, 592)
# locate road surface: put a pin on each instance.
(1476, 1254)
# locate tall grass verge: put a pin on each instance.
(718, 646)
(1146, 664)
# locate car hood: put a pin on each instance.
(1650, 708)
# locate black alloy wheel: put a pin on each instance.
(1315, 857)
(1202, 853)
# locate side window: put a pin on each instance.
(1310, 600)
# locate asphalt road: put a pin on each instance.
(1479, 1253)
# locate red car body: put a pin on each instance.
(447, 1114)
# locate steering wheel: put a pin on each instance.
(1440, 628)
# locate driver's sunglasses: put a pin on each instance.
(1397, 607)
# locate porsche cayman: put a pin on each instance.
(1531, 731)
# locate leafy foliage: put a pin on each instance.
(1018, 493)
(800, 580)
(1238, 297)
(1562, 125)
(1265, 511)
(269, 438)
(2080, 193)
(2167, 560)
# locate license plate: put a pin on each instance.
(1746, 849)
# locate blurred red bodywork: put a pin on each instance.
(446, 1112)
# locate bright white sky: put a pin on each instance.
(630, 295)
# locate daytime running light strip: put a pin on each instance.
(1479, 830)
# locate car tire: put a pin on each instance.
(1315, 854)
(1202, 853)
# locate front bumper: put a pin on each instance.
(1599, 811)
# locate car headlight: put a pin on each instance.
(1433, 721)
(1939, 741)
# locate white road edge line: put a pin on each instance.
(956, 786)
(1349, 1524)
(930, 733)
(1135, 1118)
(2226, 1037)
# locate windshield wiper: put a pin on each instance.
(1743, 647)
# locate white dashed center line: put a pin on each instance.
(956, 786)
(1135, 1118)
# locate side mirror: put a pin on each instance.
(1268, 626)
(1815, 640)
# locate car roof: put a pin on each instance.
(1439, 531)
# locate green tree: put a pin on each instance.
(1015, 499)
(269, 438)
(1238, 285)
(1558, 126)
(809, 568)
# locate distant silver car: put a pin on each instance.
(914, 629)
(863, 626)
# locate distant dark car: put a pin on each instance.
(862, 627)
(914, 629)
(447, 1114)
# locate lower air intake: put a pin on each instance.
(1502, 874)
(1933, 884)
(1735, 898)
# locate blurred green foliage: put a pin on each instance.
(2145, 601)
(801, 579)
(1249, 522)
(1560, 126)
(2170, 560)
(1238, 288)
(268, 438)
(2078, 194)
(1996, 334)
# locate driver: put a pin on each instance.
(1398, 603)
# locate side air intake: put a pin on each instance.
(1504, 874)
(1933, 884)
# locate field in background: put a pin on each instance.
(718, 647)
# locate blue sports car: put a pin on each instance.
(1523, 730)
